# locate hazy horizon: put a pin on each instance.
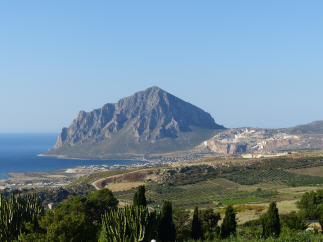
(251, 63)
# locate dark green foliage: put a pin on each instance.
(74, 226)
(253, 176)
(271, 222)
(166, 227)
(139, 198)
(197, 232)
(17, 211)
(293, 221)
(252, 223)
(210, 221)
(129, 224)
(191, 174)
(311, 204)
(77, 219)
(98, 202)
(182, 222)
(229, 224)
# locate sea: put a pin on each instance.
(18, 153)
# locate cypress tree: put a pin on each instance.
(229, 224)
(197, 232)
(139, 198)
(271, 222)
(166, 227)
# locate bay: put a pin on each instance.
(18, 153)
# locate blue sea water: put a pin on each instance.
(18, 153)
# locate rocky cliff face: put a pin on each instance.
(148, 121)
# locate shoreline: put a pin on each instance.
(116, 158)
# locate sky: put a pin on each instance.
(247, 63)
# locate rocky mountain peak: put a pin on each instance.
(152, 120)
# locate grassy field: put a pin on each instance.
(249, 185)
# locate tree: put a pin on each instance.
(271, 222)
(139, 198)
(98, 202)
(166, 227)
(197, 232)
(229, 224)
(210, 221)
(77, 219)
(311, 204)
(293, 221)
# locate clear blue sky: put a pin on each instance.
(248, 63)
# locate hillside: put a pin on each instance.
(150, 121)
(264, 141)
(315, 127)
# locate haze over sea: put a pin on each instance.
(18, 153)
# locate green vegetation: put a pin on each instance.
(273, 176)
(166, 228)
(16, 213)
(129, 224)
(229, 223)
(210, 227)
(96, 218)
(311, 204)
(196, 225)
(206, 185)
(77, 219)
(270, 222)
(182, 222)
(246, 190)
(139, 199)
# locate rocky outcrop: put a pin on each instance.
(251, 140)
(148, 121)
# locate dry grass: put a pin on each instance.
(246, 216)
(311, 171)
(287, 206)
(284, 207)
(123, 186)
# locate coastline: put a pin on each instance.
(112, 158)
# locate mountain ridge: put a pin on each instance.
(148, 121)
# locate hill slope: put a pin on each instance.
(315, 127)
(150, 121)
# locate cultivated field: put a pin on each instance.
(250, 185)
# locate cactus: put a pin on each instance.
(129, 224)
(14, 212)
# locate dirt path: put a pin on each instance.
(115, 176)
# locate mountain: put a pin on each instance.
(315, 127)
(150, 121)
